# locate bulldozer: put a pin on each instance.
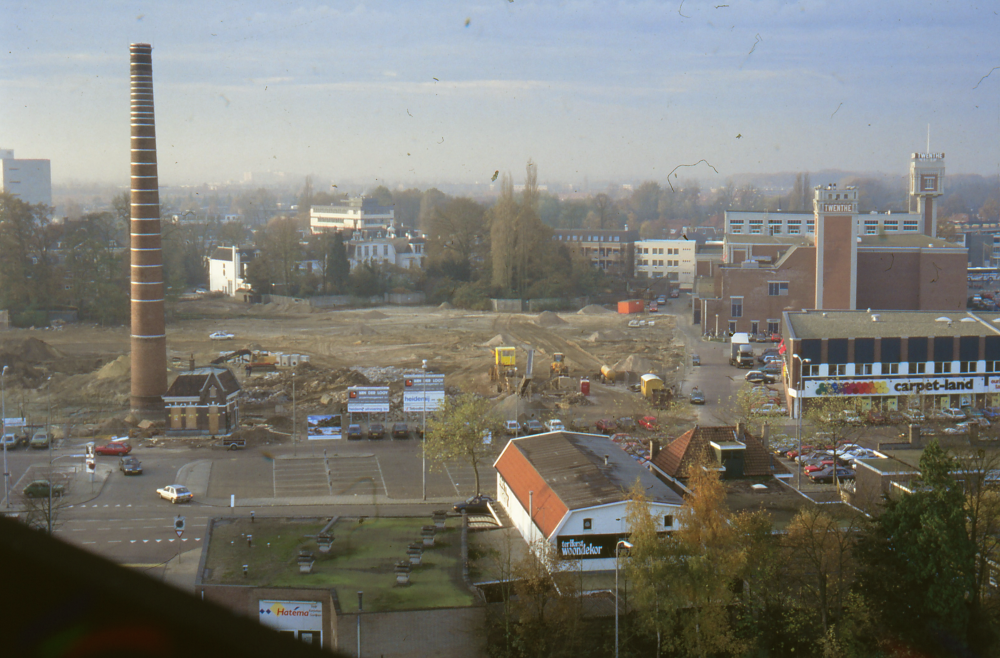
(559, 367)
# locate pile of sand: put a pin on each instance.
(593, 309)
(362, 330)
(445, 306)
(499, 341)
(634, 363)
(608, 336)
(549, 319)
(374, 315)
(29, 350)
(120, 367)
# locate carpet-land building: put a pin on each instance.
(28, 180)
(894, 360)
(570, 490)
(149, 337)
(833, 259)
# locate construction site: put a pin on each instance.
(586, 364)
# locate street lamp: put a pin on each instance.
(3, 435)
(628, 547)
(798, 426)
(423, 434)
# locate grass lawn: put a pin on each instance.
(362, 559)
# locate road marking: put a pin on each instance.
(385, 489)
(90, 542)
(131, 541)
(78, 530)
(183, 539)
(170, 540)
(114, 541)
(144, 541)
(157, 541)
(100, 529)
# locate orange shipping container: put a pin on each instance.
(631, 306)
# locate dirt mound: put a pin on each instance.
(577, 399)
(593, 309)
(445, 306)
(500, 340)
(634, 363)
(374, 315)
(362, 330)
(120, 367)
(607, 336)
(549, 319)
(29, 350)
(348, 377)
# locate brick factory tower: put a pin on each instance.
(149, 339)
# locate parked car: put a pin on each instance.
(771, 351)
(376, 431)
(113, 448)
(770, 409)
(579, 425)
(10, 440)
(40, 489)
(949, 414)
(533, 427)
(991, 413)
(773, 367)
(758, 376)
(771, 358)
(895, 417)
(662, 299)
(400, 431)
(695, 360)
(675, 293)
(697, 396)
(39, 440)
(478, 504)
(653, 308)
(606, 426)
(354, 432)
(914, 415)
(512, 427)
(826, 475)
(961, 428)
(554, 425)
(626, 424)
(221, 335)
(649, 423)
(175, 493)
(130, 466)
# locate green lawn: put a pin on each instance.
(362, 559)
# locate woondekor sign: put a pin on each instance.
(956, 384)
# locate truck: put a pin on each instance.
(741, 352)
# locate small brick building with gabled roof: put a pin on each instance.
(736, 452)
(571, 490)
(203, 400)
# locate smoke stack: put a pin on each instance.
(149, 338)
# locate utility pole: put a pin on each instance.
(3, 434)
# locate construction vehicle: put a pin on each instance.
(559, 367)
(609, 375)
(260, 360)
(504, 363)
(649, 384)
(524, 388)
(741, 352)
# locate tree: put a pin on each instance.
(337, 267)
(917, 562)
(284, 252)
(649, 568)
(463, 429)
(457, 240)
(502, 218)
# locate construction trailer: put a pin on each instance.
(504, 363)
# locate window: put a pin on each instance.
(837, 369)
(588, 524)
(736, 230)
(668, 521)
(919, 368)
(736, 307)
(793, 230)
(891, 225)
(871, 227)
(911, 225)
(810, 226)
(777, 288)
(732, 327)
(967, 366)
(942, 367)
(754, 327)
(773, 326)
(890, 368)
(810, 370)
(863, 369)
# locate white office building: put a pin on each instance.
(28, 180)
(666, 259)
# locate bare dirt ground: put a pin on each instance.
(80, 374)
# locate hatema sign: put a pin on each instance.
(292, 616)
(422, 392)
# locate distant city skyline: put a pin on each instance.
(419, 93)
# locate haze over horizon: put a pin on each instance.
(412, 93)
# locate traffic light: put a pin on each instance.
(179, 525)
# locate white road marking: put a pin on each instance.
(90, 542)
(114, 541)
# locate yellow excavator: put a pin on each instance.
(559, 367)
(504, 363)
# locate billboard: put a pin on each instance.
(587, 547)
(422, 392)
(953, 385)
(323, 427)
(301, 619)
(368, 399)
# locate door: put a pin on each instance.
(213, 420)
(754, 328)
(192, 418)
(176, 418)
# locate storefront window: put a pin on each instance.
(917, 368)
(968, 366)
(890, 368)
(942, 367)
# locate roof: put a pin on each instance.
(807, 239)
(859, 324)
(567, 471)
(192, 383)
(756, 214)
(906, 241)
(222, 253)
(695, 445)
(889, 466)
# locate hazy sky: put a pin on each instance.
(416, 92)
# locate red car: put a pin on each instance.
(606, 426)
(114, 448)
(649, 422)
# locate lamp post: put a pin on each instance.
(628, 546)
(3, 434)
(295, 447)
(423, 434)
(798, 426)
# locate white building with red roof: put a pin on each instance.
(571, 490)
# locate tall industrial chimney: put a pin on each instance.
(149, 338)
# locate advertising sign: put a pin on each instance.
(368, 399)
(955, 385)
(588, 547)
(302, 619)
(422, 392)
(14, 422)
(323, 427)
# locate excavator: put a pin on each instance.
(559, 367)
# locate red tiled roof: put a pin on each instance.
(521, 477)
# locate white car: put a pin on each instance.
(554, 425)
(770, 409)
(950, 414)
(222, 335)
(175, 493)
